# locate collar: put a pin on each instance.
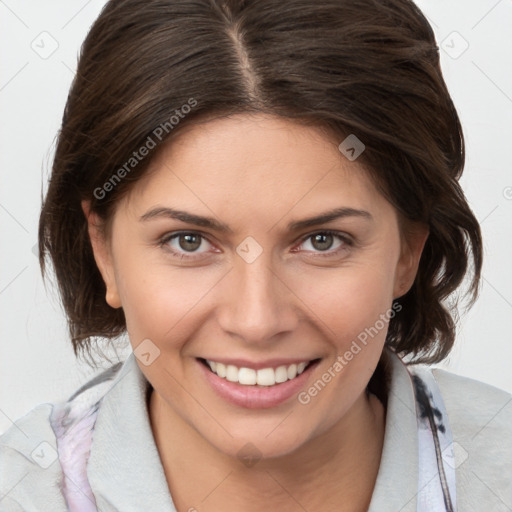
(125, 471)
(124, 468)
(396, 486)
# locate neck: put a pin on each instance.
(334, 471)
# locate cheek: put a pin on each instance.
(352, 306)
(348, 301)
(158, 299)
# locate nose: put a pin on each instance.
(257, 304)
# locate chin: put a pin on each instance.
(251, 444)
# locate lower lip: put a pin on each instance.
(256, 397)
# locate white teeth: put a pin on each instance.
(231, 373)
(265, 377)
(220, 369)
(281, 374)
(262, 377)
(247, 376)
(292, 371)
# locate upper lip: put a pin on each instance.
(257, 365)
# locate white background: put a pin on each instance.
(36, 360)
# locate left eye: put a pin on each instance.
(187, 242)
(323, 241)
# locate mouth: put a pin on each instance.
(256, 389)
(263, 377)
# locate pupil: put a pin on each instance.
(190, 242)
(321, 239)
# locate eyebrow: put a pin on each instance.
(211, 223)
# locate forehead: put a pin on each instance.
(255, 164)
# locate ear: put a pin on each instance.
(102, 255)
(413, 237)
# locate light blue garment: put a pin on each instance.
(125, 473)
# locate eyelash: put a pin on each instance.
(347, 242)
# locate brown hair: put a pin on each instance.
(364, 67)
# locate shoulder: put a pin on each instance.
(34, 448)
(474, 406)
(480, 418)
(28, 460)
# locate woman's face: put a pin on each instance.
(253, 285)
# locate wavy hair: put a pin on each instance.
(367, 67)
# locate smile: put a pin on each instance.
(265, 385)
(261, 377)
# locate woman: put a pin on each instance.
(264, 196)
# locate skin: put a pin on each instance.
(256, 174)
